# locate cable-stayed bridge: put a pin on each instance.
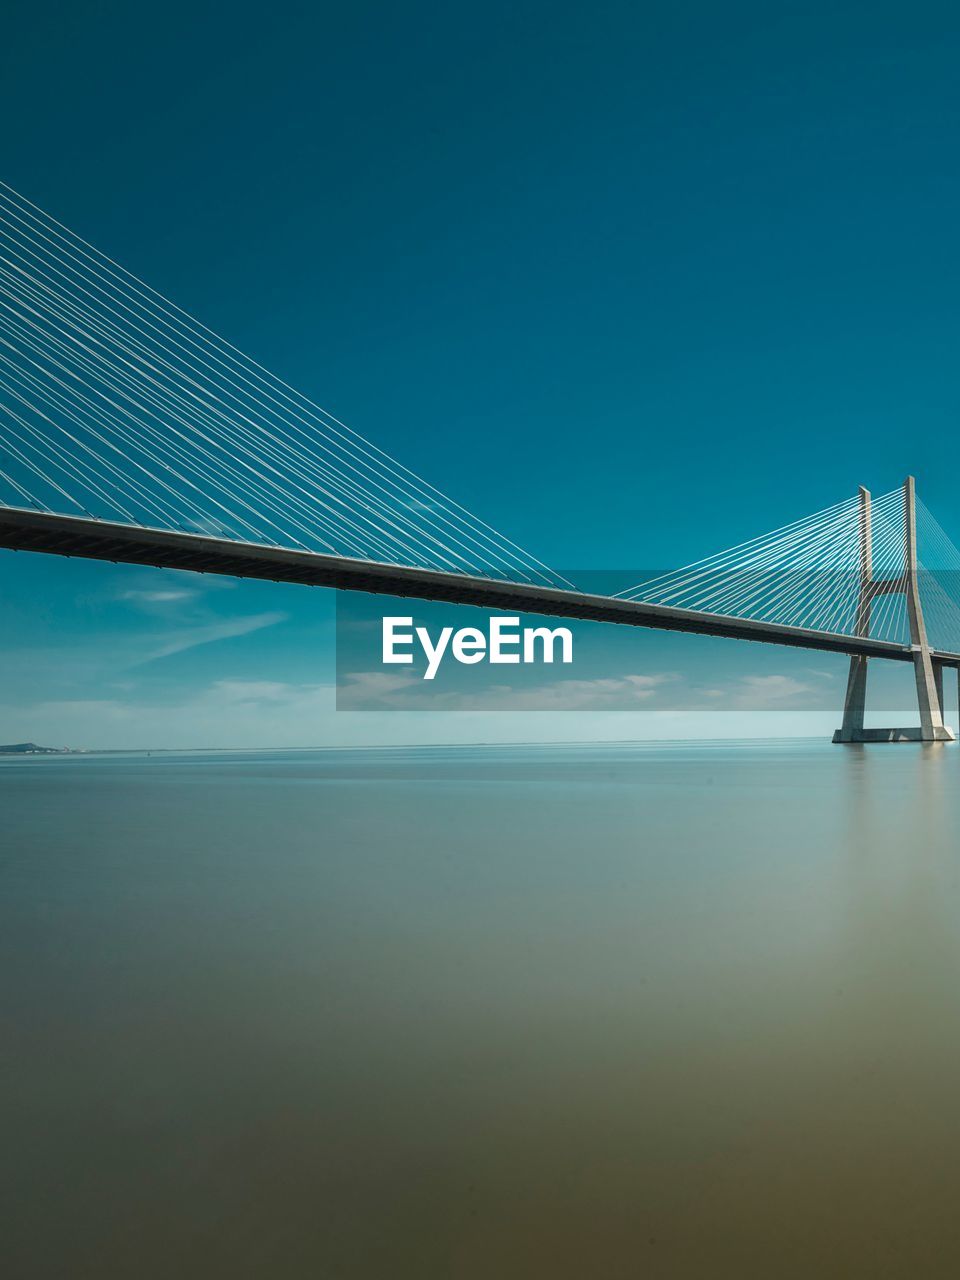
(130, 432)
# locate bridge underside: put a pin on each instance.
(130, 544)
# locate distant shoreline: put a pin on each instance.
(18, 752)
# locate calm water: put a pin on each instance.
(484, 1014)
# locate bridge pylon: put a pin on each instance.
(928, 674)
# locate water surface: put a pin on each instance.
(604, 1012)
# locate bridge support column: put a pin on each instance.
(929, 683)
(855, 703)
(938, 684)
(928, 675)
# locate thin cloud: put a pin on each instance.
(237, 691)
(168, 596)
(183, 640)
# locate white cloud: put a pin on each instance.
(268, 714)
(761, 691)
(610, 693)
(238, 692)
(362, 686)
(234, 712)
(373, 690)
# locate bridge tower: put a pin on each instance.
(928, 673)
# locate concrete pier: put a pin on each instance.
(928, 672)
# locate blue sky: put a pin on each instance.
(633, 283)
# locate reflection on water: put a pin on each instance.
(602, 1012)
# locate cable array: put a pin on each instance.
(806, 574)
(938, 580)
(117, 405)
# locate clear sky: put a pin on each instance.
(632, 282)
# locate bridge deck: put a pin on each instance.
(102, 540)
